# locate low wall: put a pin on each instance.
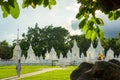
(63, 62)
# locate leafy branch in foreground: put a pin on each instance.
(89, 23)
(10, 7)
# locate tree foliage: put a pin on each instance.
(89, 22)
(10, 7)
(5, 50)
(42, 40)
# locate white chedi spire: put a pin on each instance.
(61, 56)
(75, 51)
(53, 54)
(47, 56)
(23, 59)
(110, 54)
(69, 55)
(17, 50)
(30, 55)
(99, 48)
(91, 54)
(82, 55)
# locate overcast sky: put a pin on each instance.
(62, 14)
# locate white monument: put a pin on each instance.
(47, 56)
(23, 59)
(61, 56)
(53, 55)
(17, 50)
(91, 53)
(99, 48)
(31, 58)
(110, 54)
(82, 55)
(69, 55)
(75, 51)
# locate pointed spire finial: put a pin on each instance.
(18, 35)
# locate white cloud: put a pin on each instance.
(74, 7)
(75, 32)
(10, 36)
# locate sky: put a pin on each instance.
(62, 14)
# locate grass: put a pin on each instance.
(8, 71)
(53, 75)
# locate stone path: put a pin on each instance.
(32, 73)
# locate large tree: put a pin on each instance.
(42, 40)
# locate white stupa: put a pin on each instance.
(61, 56)
(110, 54)
(75, 51)
(30, 55)
(99, 48)
(17, 50)
(23, 59)
(82, 56)
(91, 54)
(53, 55)
(47, 56)
(69, 55)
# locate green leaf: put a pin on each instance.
(88, 34)
(45, 3)
(50, 6)
(6, 7)
(52, 2)
(82, 23)
(82, 12)
(1, 1)
(24, 4)
(40, 2)
(99, 21)
(5, 12)
(111, 15)
(90, 24)
(79, 16)
(117, 15)
(15, 11)
(93, 37)
(11, 3)
(85, 28)
(101, 33)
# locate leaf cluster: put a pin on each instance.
(34, 3)
(10, 7)
(89, 23)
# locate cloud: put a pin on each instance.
(74, 7)
(75, 32)
(10, 37)
(75, 24)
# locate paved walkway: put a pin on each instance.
(31, 74)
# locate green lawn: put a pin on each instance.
(53, 75)
(8, 71)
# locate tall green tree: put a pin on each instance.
(5, 50)
(42, 40)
